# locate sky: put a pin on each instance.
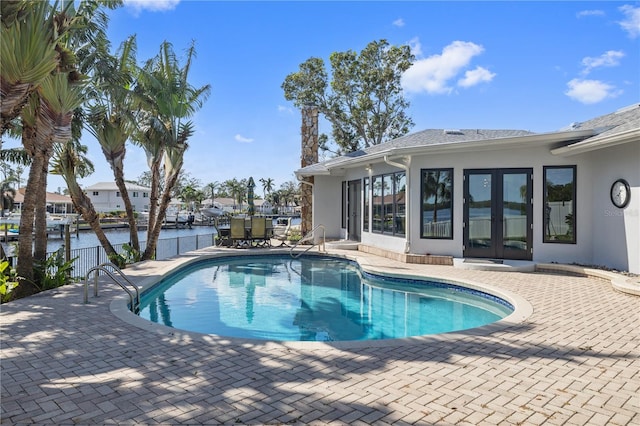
(536, 66)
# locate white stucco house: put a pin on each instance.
(106, 197)
(569, 196)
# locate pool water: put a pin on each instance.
(312, 298)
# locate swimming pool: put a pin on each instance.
(312, 298)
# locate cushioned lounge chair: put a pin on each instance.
(284, 235)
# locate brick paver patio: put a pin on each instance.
(574, 361)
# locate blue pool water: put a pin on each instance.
(312, 298)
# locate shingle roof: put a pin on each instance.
(111, 186)
(620, 121)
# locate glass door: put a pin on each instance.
(498, 213)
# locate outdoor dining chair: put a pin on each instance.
(259, 231)
(237, 233)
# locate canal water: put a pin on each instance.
(87, 238)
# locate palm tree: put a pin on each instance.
(267, 186)
(166, 99)
(71, 163)
(211, 186)
(28, 54)
(49, 107)
(111, 121)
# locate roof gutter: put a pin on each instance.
(595, 143)
(405, 165)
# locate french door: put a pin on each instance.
(498, 213)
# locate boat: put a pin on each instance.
(178, 216)
(213, 211)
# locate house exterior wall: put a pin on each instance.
(605, 235)
(616, 232)
(327, 205)
(108, 201)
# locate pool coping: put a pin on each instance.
(119, 305)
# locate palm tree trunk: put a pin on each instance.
(40, 224)
(124, 193)
(83, 204)
(154, 233)
(24, 268)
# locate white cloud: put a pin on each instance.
(476, 76)
(631, 23)
(433, 74)
(240, 138)
(399, 22)
(152, 5)
(415, 46)
(610, 58)
(584, 13)
(590, 91)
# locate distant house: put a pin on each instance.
(106, 197)
(569, 196)
(56, 203)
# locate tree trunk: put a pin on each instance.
(153, 234)
(40, 224)
(83, 204)
(24, 269)
(124, 193)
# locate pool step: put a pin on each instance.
(494, 264)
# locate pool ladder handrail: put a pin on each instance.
(108, 268)
(310, 237)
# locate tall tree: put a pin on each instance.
(267, 186)
(28, 54)
(45, 105)
(363, 102)
(166, 100)
(110, 118)
(211, 189)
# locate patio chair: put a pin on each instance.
(237, 232)
(259, 231)
(284, 235)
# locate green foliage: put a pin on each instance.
(54, 271)
(119, 260)
(8, 281)
(131, 255)
(363, 102)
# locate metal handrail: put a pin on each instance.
(309, 237)
(134, 299)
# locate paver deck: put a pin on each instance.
(574, 361)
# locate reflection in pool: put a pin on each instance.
(274, 297)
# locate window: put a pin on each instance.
(389, 203)
(135, 194)
(400, 208)
(559, 204)
(367, 201)
(145, 195)
(118, 194)
(437, 203)
(376, 200)
(96, 193)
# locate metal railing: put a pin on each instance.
(86, 258)
(108, 269)
(310, 236)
